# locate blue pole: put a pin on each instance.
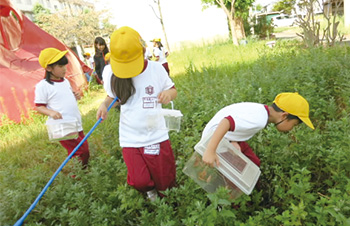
(20, 221)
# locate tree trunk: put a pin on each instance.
(239, 28)
(233, 31)
(161, 21)
(230, 13)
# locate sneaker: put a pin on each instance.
(152, 195)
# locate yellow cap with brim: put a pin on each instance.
(156, 40)
(296, 105)
(50, 55)
(127, 59)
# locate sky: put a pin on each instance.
(184, 20)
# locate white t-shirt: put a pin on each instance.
(140, 119)
(161, 54)
(91, 62)
(148, 53)
(58, 97)
(248, 118)
(106, 76)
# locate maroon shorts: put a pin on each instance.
(146, 172)
(247, 151)
(82, 153)
(166, 66)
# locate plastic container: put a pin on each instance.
(239, 171)
(172, 118)
(207, 177)
(62, 129)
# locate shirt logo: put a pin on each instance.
(149, 90)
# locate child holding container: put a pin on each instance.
(54, 97)
(141, 87)
(241, 121)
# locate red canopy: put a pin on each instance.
(20, 44)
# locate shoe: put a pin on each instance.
(152, 195)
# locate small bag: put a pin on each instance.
(62, 129)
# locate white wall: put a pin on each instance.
(347, 12)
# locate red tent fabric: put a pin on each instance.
(20, 44)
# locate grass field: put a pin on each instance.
(305, 173)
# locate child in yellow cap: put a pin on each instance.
(160, 54)
(54, 97)
(239, 122)
(142, 86)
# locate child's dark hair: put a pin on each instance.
(289, 116)
(160, 46)
(123, 88)
(100, 41)
(62, 61)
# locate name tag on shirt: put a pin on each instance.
(152, 149)
(149, 102)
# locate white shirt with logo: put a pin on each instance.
(140, 120)
(249, 118)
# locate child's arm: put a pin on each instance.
(209, 156)
(77, 95)
(167, 95)
(102, 110)
(45, 111)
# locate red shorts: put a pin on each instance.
(166, 66)
(82, 153)
(247, 151)
(146, 172)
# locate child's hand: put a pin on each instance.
(166, 96)
(55, 115)
(77, 95)
(102, 112)
(210, 157)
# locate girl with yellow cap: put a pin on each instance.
(54, 97)
(142, 86)
(160, 54)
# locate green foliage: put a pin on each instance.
(262, 27)
(286, 6)
(305, 173)
(72, 26)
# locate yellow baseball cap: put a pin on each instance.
(50, 56)
(156, 40)
(107, 56)
(127, 59)
(296, 105)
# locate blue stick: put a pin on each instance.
(20, 221)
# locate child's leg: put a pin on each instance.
(147, 171)
(162, 167)
(82, 153)
(138, 173)
(247, 151)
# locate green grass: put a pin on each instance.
(305, 173)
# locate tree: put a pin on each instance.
(81, 28)
(236, 11)
(160, 17)
(286, 6)
(311, 26)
